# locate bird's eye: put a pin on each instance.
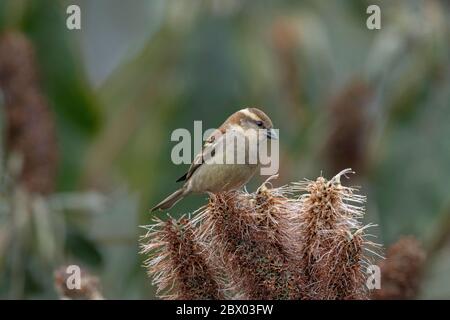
(259, 123)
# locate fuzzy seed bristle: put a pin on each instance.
(342, 270)
(177, 262)
(248, 231)
(330, 231)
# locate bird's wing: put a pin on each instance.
(207, 149)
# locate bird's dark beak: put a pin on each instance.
(271, 134)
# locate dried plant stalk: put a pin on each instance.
(286, 41)
(178, 263)
(249, 234)
(349, 124)
(341, 270)
(332, 239)
(30, 130)
(401, 272)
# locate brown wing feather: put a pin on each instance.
(198, 160)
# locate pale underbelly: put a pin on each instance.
(220, 177)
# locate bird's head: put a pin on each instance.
(252, 119)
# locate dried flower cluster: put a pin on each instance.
(30, 131)
(332, 239)
(402, 270)
(178, 262)
(271, 244)
(250, 235)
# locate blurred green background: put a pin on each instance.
(342, 96)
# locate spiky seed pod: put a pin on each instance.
(247, 231)
(272, 213)
(89, 286)
(30, 128)
(329, 214)
(349, 124)
(323, 210)
(342, 270)
(177, 262)
(401, 271)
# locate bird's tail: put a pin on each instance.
(168, 202)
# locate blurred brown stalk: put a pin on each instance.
(349, 128)
(402, 270)
(30, 128)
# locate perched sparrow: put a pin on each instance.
(211, 171)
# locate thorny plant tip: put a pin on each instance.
(300, 241)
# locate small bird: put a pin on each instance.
(217, 174)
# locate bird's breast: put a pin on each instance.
(221, 177)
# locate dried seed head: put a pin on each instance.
(286, 41)
(30, 130)
(331, 238)
(349, 125)
(342, 269)
(248, 234)
(268, 245)
(177, 262)
(401, 271)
